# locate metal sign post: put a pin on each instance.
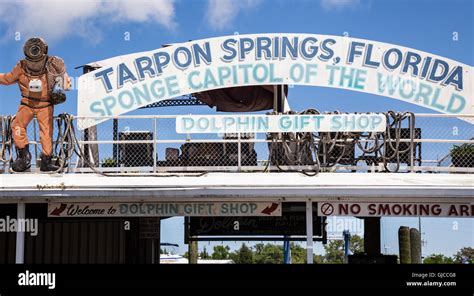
(20, 235)
(309, 232)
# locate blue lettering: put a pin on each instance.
(109, 103)
(367, 61)
(187, 54)
(288, 47)
(386, 59)
(227, 46)
(144, 65)
(124, 75)
(264, 73)
(245, 68)
(413, 63)
(95, 108)
(354, 51)
(223, 73)
(444, 72)
(296, 73)
(193, 85)
(210, 80)
(263, 48)
(274, 79)
(311, 70)
(336, 122)
(246, 46)
(172, 85)
(187, 123)
(329, 53)
(103, 75)
(309, 52)
(125, 99)
(455, 78)
(143, 93)
(452, 102)
(156, 90)
(162, 59)
(202, 54)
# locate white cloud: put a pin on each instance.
(339, 4)
(221, 13)
(160, 11)
(56, 19)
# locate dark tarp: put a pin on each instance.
(240, 99)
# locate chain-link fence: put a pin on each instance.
(150, 144)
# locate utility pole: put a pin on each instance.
(421, 235)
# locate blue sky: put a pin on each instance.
(90, 30)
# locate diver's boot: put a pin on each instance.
(22, 161)
(46, 165)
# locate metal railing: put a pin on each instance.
(149, 144)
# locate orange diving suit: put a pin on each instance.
(38, 76)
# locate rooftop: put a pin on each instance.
(253, 186)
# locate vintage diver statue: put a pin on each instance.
(42, 80)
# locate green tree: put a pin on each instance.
(204, 254)
(298, 254)
(356, 244)
(268, 254)
(317, 259)
(464, 256)
(437, 259)
(221, 253)
(244, 255)
(334, 250)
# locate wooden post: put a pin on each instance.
(404, 244)
(193, 252)
(372, 236)
(415, 246)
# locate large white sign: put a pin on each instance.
(131, 81)
(166, 209)
(396, 209)
(280, 123)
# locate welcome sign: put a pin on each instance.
(164, 209)
(128, 82)
(280, 123)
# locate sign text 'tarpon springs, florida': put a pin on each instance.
(128, 82)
